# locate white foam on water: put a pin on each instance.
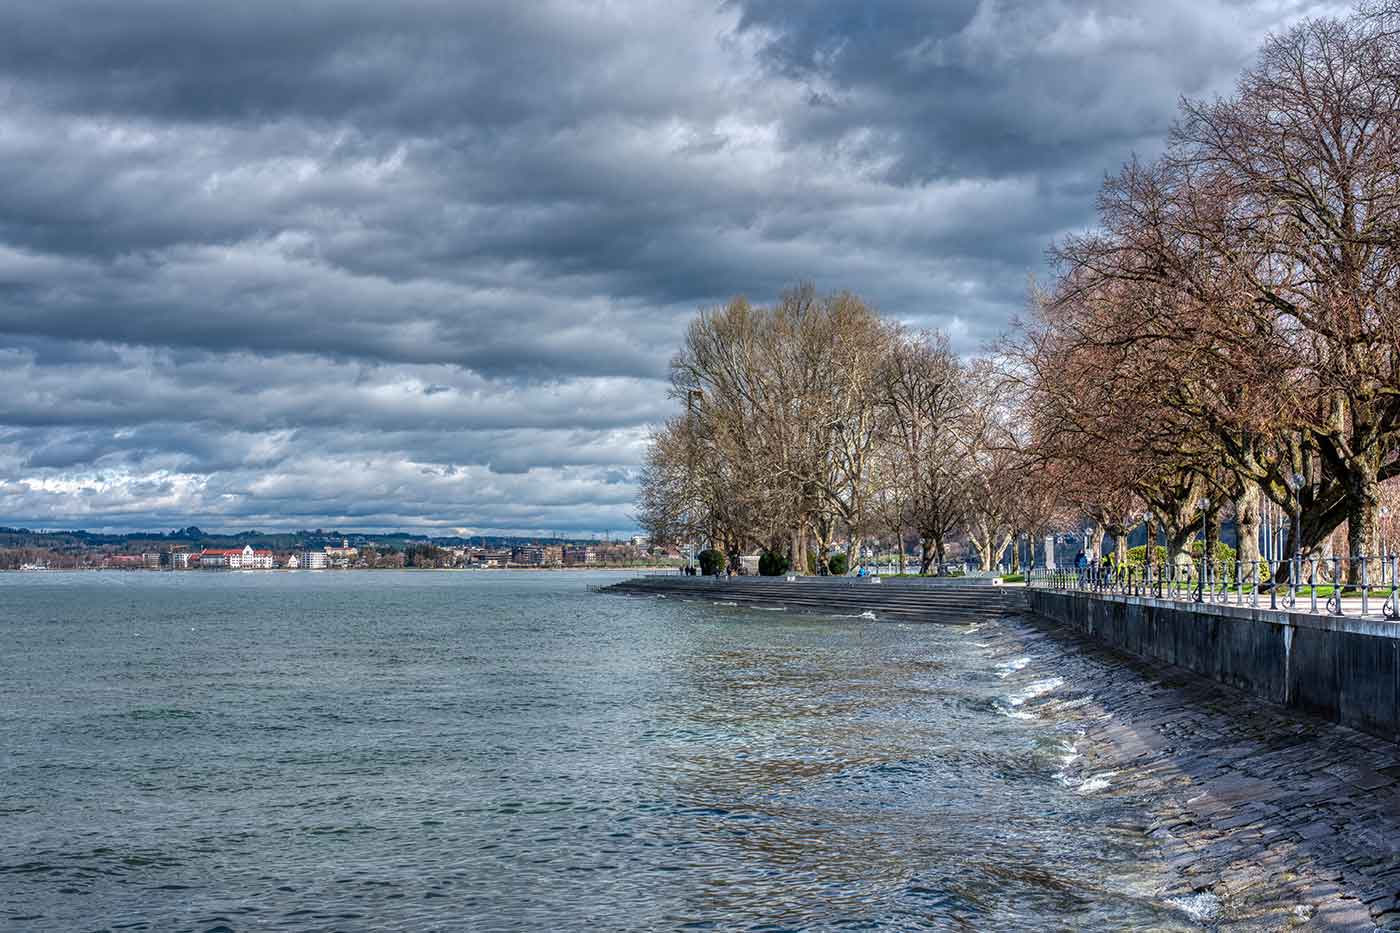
(726, 604)
(1037, 689)
(1303, 912)
(1202, 908)
(1096, 783)
(866, 615)
(1069, 755)
(1011, 667)
(980, 645)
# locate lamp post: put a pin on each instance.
(1201, 587)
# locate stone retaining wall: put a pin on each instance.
(1340, 668)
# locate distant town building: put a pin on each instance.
(578, 556)
(530, 556)
(315, 560)
(342, 556)
(245, 558)
(293, 562)
(490, 557)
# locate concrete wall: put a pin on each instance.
(1343, 669)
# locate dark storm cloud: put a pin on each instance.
(423, 264)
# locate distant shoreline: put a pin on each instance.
(336, 570)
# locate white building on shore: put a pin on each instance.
(245, 558)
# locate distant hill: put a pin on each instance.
(194, 537)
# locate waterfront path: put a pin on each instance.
(902, 600)
(1269, 820)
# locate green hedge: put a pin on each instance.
(772, 564)
(711, 561)
(1136, 555)
(838, 565)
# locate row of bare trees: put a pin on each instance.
(1231, 332)
(815, 422)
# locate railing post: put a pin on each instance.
(1365, 589)
(1312, 581)
(1335, 602)
(1273, 584)
(1392, 606)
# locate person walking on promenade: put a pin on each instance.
(1081, 566)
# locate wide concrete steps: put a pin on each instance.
(915, 601)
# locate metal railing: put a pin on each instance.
(1320, 585)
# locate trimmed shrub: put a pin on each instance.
(838, 565)
(711, 561)
(772, 564)
(1223, 553)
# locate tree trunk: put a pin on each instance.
(1363, 520)
(1091, 546)
(925, 556)
(1247, 525)
(1363, 514)
(1149, 551)
(1176, 544)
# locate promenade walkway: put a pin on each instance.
(906, 600)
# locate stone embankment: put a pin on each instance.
(951, 601)
(1268, 819)
(1342, 668)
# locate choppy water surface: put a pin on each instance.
(426, 751)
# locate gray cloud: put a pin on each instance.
(423, 264)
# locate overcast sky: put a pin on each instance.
(422, 264)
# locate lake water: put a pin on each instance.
(509, 751)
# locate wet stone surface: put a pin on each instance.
(1266, 820)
